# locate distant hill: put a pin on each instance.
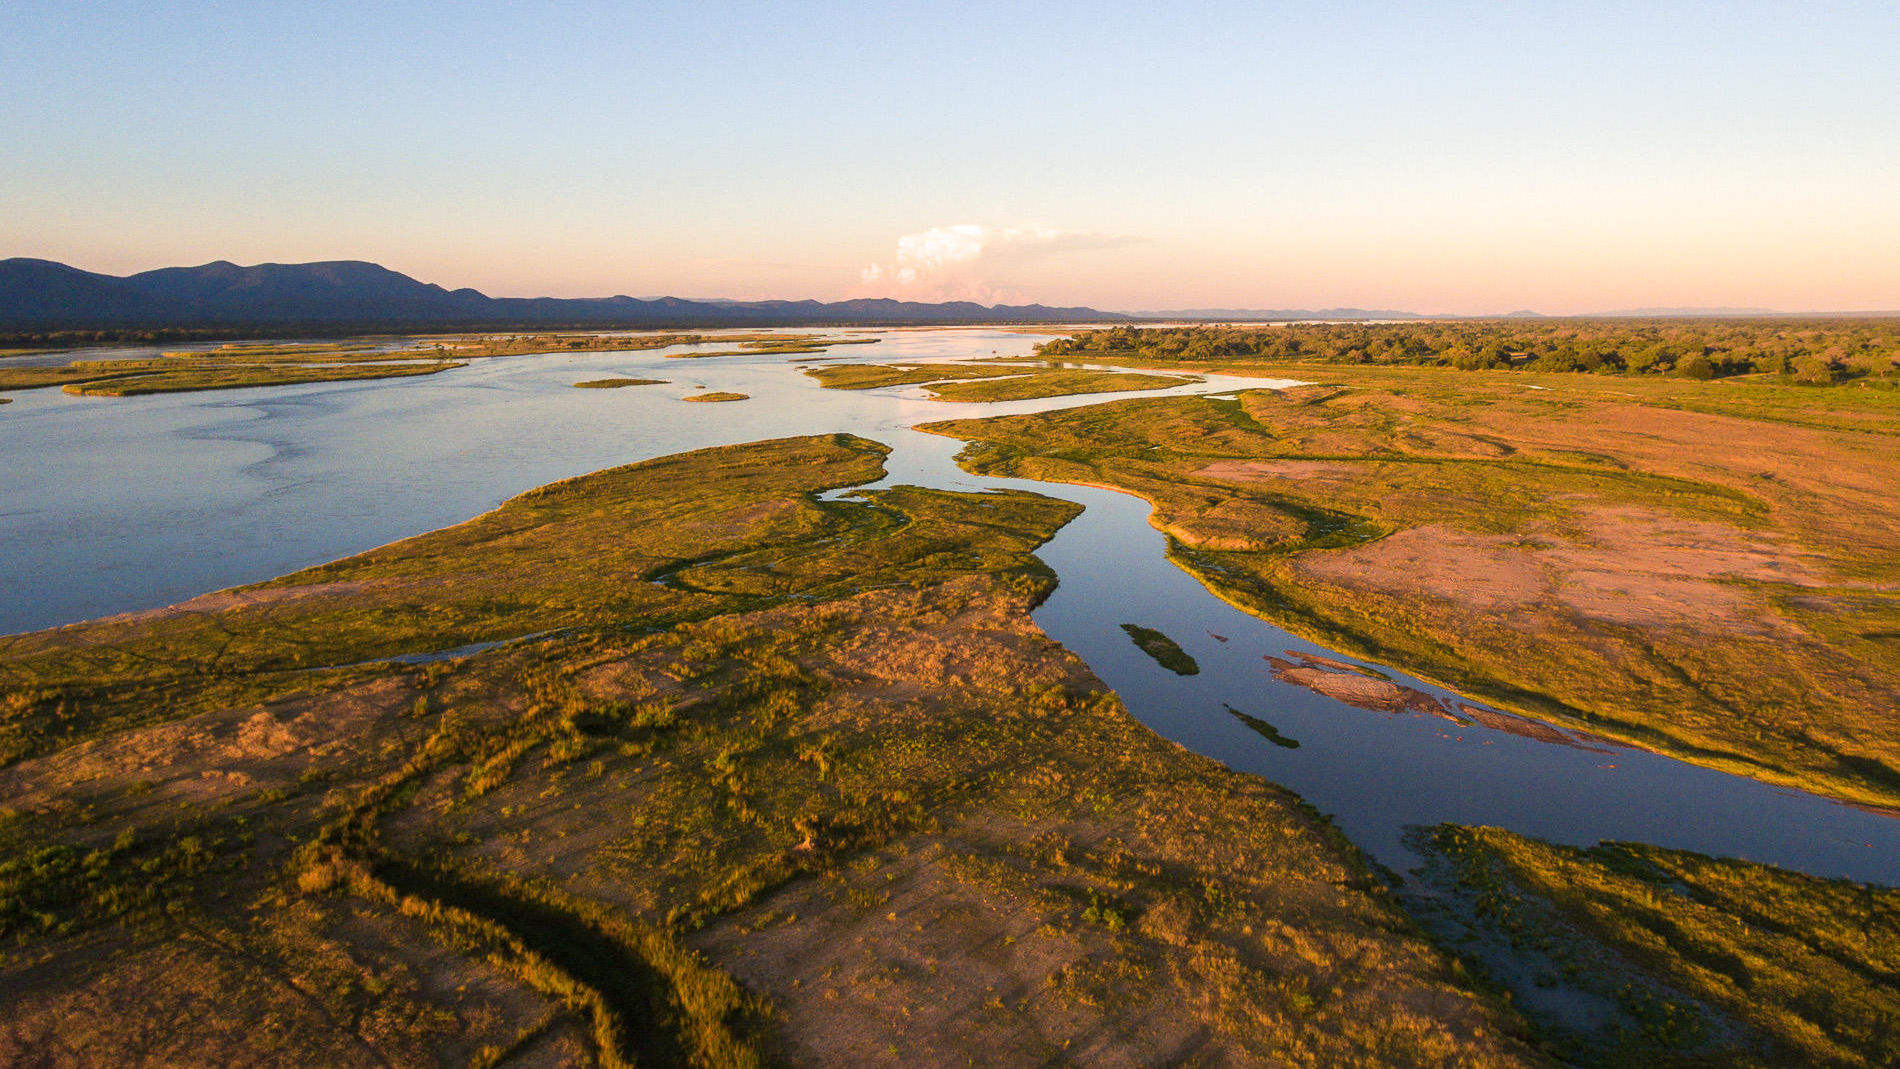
(352, 294)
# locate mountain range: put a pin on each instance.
(353, 294)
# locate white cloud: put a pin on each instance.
(950, 262)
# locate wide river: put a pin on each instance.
(119, 504)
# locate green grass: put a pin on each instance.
(1864, 352)
(1054, 383)
(878, 376)
(239, 365)
(779, 344)
(1264, 730)
(816, 743)
(716, 396)
(1340, 511)
(992, 382)
(615, 384)
(1700, 961)
(1163, 649)
(230, 377)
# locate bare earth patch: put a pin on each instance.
(1628, 567)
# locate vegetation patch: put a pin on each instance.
(1697, 567)
(777, 778)
(615, 384)
(1263, 729)
(1632, 955)
(225, 376)
(246, 364)
(1805, 351)
(1054, 383)
(878, 376)
(765, 345)
(717, 395)
(1163, 649)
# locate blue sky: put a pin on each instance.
(1461, 157)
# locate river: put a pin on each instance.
(120, 504)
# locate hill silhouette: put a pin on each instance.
(357, 295)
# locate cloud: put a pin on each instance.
(951, 262)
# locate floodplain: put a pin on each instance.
(767, 753)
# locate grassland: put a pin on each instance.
(714, 772)
(877, 376)
(768, 344)
(484, 345)
(1631, 955)
(231, 366)
(1703, 568)
(716, 396)
(990, 382)
(238, 364)
(233, 377)
(1055, 382)
(617, 383)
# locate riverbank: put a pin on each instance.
(503, 606)
(1700, 569)
(844, 799)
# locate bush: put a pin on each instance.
(1813, 369)
(1696, 367)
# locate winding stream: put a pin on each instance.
(120, 504)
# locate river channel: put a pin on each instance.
(112, 505)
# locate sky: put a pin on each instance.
(1444, 157)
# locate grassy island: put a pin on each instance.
(1054, 383)
(716, 396)
(876, 376)
(615, 384)
(782, 344)
(671, 764)
(233, 377)
(990, 382)
(1166, 652)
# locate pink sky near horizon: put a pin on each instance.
(1466, 158)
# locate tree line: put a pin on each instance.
(1817, 351)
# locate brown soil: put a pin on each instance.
(1359, 691)
(1629, 567)
(226, 600)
